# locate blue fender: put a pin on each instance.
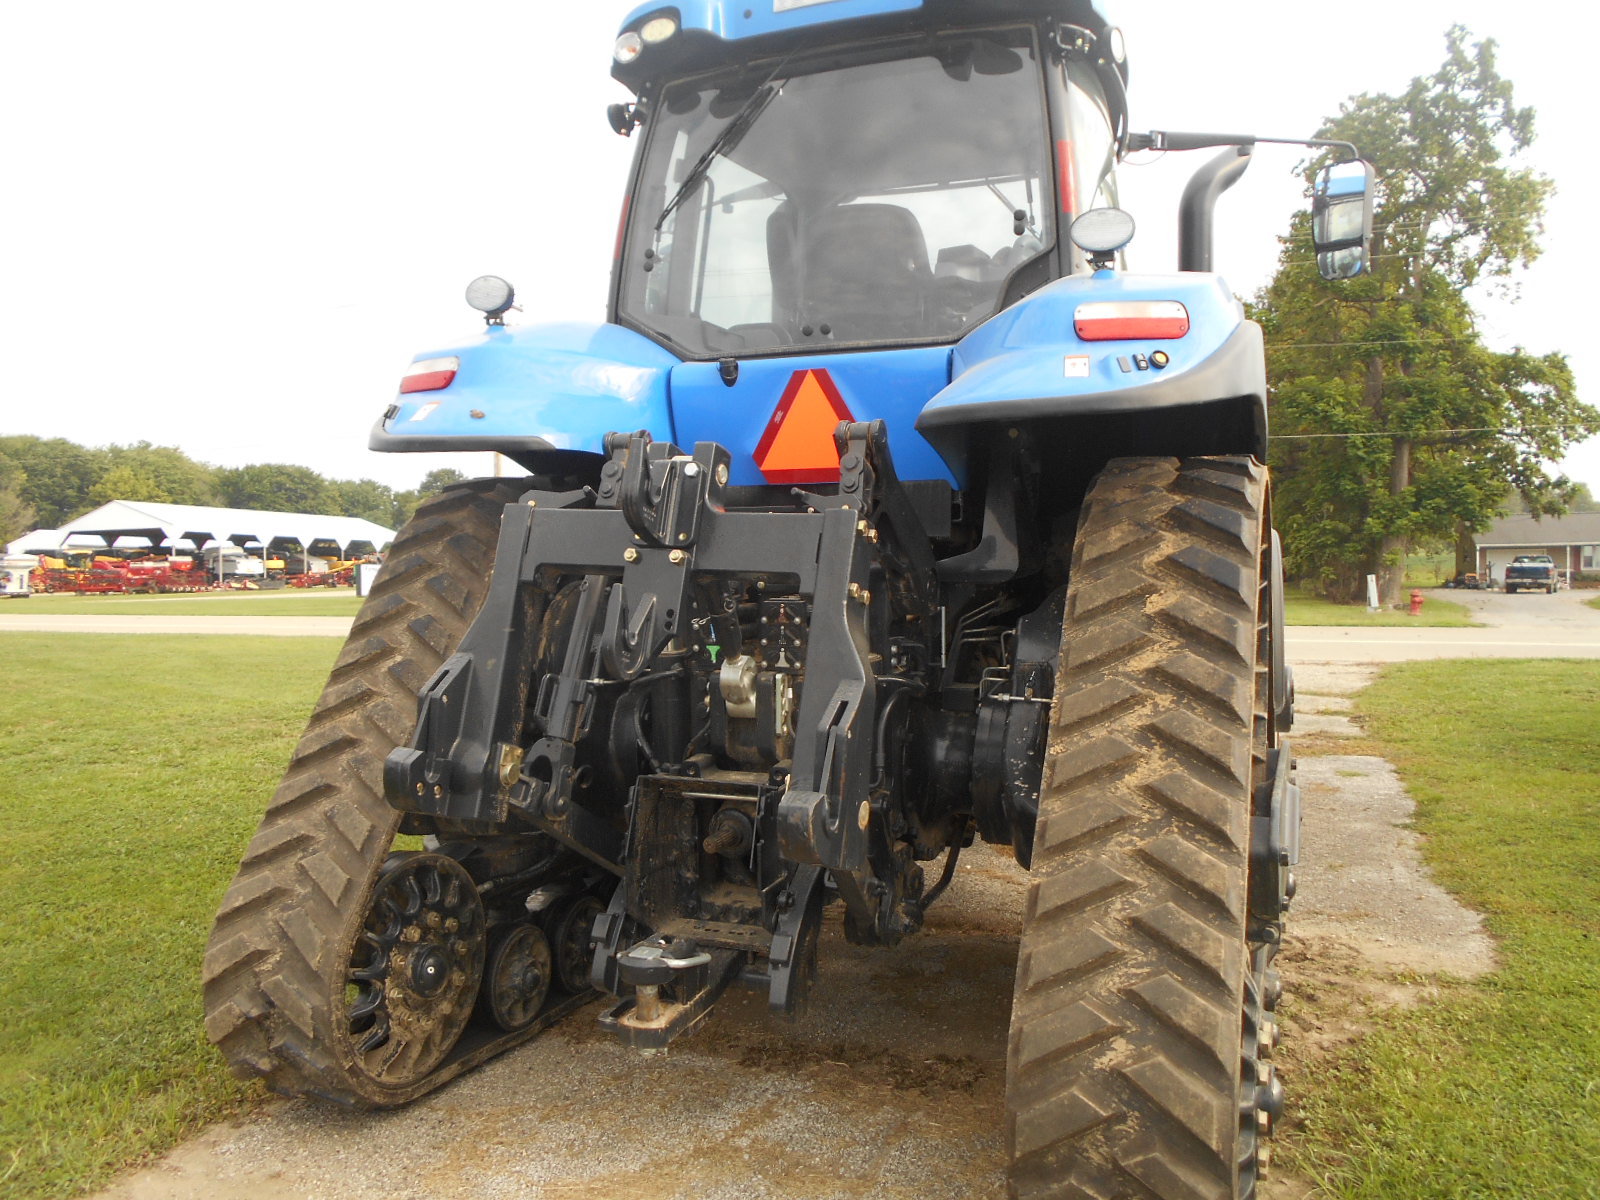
(1028, 362)
(537, 393)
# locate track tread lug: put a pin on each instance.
(1086, 885)
(1202, 1113)
(1064, 826)
(1063, 1033)
(1090, 705)
(1193, 1017)
(1198, 871)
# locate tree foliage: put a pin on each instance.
(279, 487)
(58, 475)
(160, 473)
(16, 514)
(1394, 424)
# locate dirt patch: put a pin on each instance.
(1334, 993)
(1362, 880)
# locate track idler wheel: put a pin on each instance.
(415, 968)
(517, 980)
(571, 938)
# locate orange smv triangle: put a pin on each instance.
(797, 446)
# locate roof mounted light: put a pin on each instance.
(628, 47)
(492, 296)
(657, 30)
(1102, 231)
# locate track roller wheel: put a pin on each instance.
(1134, 1064)
(517, 980)
(280, 1001)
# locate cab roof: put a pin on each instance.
(712, 33)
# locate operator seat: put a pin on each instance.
(866, 273)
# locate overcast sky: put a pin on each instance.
(232, 225)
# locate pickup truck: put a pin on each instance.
(1537, 571)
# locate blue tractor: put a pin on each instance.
(884, 513)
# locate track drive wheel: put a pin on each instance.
(415, 967)
(1134, 1061)
(280, 1000)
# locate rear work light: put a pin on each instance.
(429, 375)
(1127, 320)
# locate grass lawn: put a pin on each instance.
(1493, 1090)
(1430, 570)
(136, 770)
(1301, 609)
(297, 602)
(1595, 603)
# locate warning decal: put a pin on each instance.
(797, 445)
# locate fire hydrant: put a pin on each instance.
(1416, 603)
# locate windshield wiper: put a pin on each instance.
(732, 134)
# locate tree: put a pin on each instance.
(275, 487)
(438, 479)
(435, 481)
(16, 514)
(365, 498)
(160, 473)
(1394, 422)
(1579, 499)
(125, 482)
(58, 476)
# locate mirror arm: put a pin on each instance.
(1161, 139)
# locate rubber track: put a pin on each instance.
(1125, 1049)
(274, 968)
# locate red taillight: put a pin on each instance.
(1128, 320)
(429, 375)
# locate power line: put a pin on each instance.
(1391, 342)
(1409, 433)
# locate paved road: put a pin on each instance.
(1326, 644)
(1521, 625)
(21, 622)
(1526, 625)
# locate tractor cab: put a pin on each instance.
(817, 216)
(852, 196)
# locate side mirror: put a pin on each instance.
(1341, 218)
